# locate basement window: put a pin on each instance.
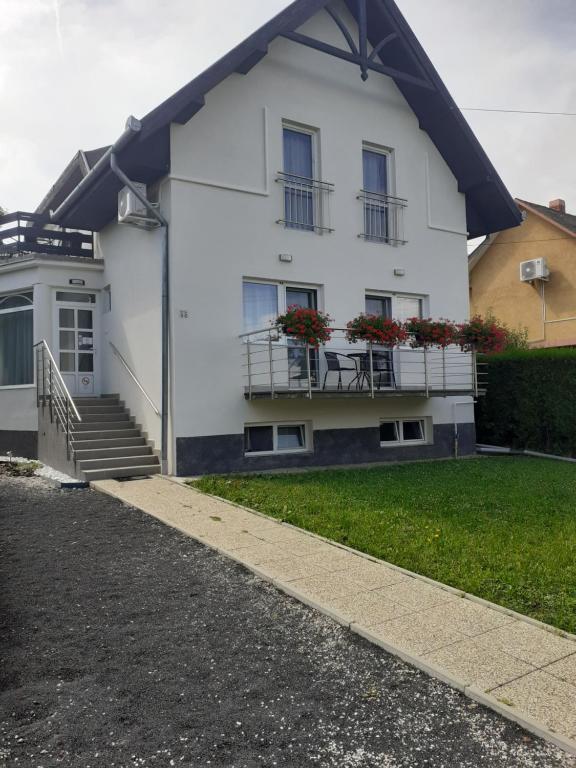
(402, 431)
(275, 438)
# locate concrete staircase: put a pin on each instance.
(107, 443)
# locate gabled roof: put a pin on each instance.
(565, 221)
(146, 157)
(79, 167)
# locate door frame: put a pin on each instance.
(95, 307)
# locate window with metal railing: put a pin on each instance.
(305, 198)
(382, 212)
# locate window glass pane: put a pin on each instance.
(85, 340)
(66, 318)
(379, 305)
(67, 362)
(301, 297)
(291, 437)
(375, 172)
(258, 439)
(85, 362)
(16, 300)
(67, 340)
(389, 432)
(85, 318)
(77, 298)
(16, 354)
(297, 153)
(260, 302)
(413, 430)
(407, 306)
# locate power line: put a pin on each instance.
(518, 111)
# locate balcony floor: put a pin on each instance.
(329, 393)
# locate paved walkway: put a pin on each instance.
(518, 667)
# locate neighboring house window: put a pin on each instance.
(16, 354)
(399, 431)
(275, 438)
(299, 193)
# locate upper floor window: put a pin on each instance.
(382, 214)
(398, 306)
(16, 354)
(305, 196)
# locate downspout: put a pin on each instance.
(154, 213)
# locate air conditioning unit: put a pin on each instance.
(535, 269)
(130, 209)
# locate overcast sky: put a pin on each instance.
(71, 71)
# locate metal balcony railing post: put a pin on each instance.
(249, 361)
(426, 382)
(270, 359)
(308, 371)
(371, 369)
(444, 370)
(475, 372)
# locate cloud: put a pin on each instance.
(117, 57)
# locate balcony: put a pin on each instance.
(25, 233)
(306, 203)
(383, 218)
(276, 366)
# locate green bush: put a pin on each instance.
(530, 400)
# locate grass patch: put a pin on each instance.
(501, 528)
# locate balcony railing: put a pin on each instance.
(306, 203)
(22, 233)
(276, 366)
(383, 218)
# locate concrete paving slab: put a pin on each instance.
(417, 595)
(543, 697)
(367, 608)
(332, 585)
(477, 665)
(528, 643)
(565, 669)
(418, 633)
(470, 618)
(291, 568)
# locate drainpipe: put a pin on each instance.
(154, 213)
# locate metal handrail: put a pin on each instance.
(134, 377)
(56, 370)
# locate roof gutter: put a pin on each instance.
(133, 126)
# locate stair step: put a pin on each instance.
(111, 452)
(120, 415)
(95, 443)
(117, 462)
(88, 410)
(94, 426)
(105, 400)
(104, 434)
(105, 474)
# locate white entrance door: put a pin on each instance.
(76, 336)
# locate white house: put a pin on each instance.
(323, 163)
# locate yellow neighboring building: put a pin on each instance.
(545, 307)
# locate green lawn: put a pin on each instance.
(500, 528)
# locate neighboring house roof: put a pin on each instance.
(566, 221)
(489, 207)
(79, 167)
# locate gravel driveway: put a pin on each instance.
(124, 644)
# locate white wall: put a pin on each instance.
(225, 204)
(133, 270)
